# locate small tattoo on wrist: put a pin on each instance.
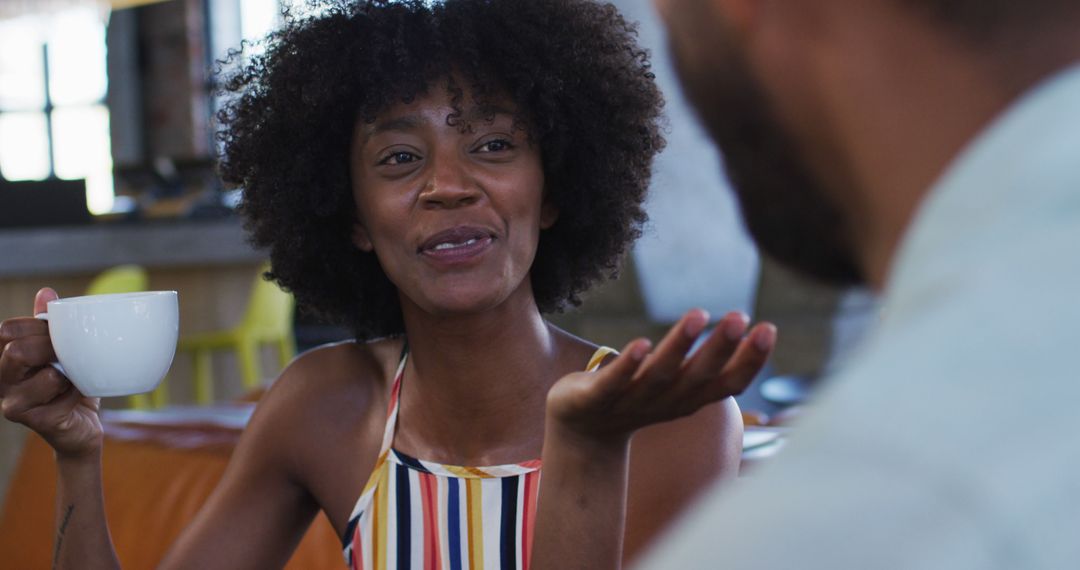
(60, 533)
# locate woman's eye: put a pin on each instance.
(400, 157)
(497, 145)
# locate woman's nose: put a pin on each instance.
(449, 186)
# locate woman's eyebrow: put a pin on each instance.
(405, 123)
(486, 112)
(476, 113)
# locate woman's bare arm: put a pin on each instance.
(82, 536)
(262, 506)
(36, 395)
(258, 512)
(672, 463)
(591, 417)
(253, 519)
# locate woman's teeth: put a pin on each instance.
(442, 246)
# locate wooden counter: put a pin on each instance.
(89, 249)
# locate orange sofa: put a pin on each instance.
(157, 473)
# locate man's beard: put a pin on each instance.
(789, 215)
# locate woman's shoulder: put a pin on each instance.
(338, 383)
(334, 369)
(330, 402)
(348, 363)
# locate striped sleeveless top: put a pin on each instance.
(416, 514)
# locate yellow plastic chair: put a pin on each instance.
(119, 279)
(123, 279)
(267, 320)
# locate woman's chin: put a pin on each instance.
(463, 306)
(462, 296)
(465, 303)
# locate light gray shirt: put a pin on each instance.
(952, 438)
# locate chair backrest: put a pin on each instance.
(269, 312)
(119, 279)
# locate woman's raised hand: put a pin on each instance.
(38, 396)
(592, 415)
(642, 386)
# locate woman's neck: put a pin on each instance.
(475, 385)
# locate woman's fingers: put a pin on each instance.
(617, 373)
(39, 390)
(52, 419)
(639, 388)
(711, 357)
(665, 363)
(13, 329)
(744, 365)
(724, 365)
(20, 357)
(41, 300)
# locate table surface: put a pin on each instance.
(159, 467)
(157, 474)
(759, 442)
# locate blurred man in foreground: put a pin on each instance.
(930, 149)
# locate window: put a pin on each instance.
(233, 21)
(259, 17)
(250, 20)
(53, 118)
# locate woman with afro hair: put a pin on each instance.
(437, 175)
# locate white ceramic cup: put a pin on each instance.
(114, 345)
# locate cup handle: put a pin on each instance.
(59, 368)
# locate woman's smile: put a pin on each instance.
(462, 245)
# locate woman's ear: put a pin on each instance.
(360, 237)
(549, 214)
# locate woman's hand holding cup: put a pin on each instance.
(35, 394)
(108, 345)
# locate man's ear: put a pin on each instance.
(548, 215)
(360, 237)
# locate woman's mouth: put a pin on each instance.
(457, 245)
(444, 245)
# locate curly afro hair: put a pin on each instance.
(584, 92)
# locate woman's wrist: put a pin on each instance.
(79, 461)
(591, 447)
(582, 498)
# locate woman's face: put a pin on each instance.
(454, 214)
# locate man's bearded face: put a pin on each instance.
(786, 210)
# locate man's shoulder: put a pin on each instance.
(940, 444)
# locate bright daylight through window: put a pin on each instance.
(53, 118)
